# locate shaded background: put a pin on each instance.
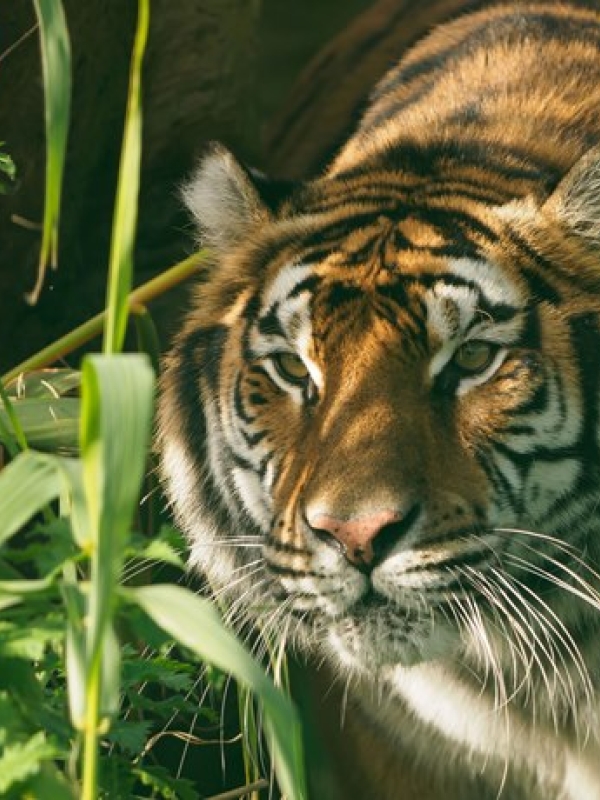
(280, 82)
(214, 69)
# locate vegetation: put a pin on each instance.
(99, 646)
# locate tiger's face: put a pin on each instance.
(374, 429)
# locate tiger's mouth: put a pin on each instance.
(412, 583)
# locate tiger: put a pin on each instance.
(378, 424)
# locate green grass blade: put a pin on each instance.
(75, 503)
(21, 587)
(27, 485)
(117, 394)
(116, 417)
(49, 425)
(45, 383)
(75, 661)
(11, 424)
(125, 214)
(195, 623)
(147, 336)
(56, 67)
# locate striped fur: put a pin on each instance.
(462, 217)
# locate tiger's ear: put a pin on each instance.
(576, 200)
(228, 201)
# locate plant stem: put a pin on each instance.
(236, 794)
(90, 742)
(93, 327)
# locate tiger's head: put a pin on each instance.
(379, 424)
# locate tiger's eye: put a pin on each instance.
(474, 356)
(291, 367)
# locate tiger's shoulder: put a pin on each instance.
(514, 87)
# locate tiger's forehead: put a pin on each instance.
(330, 315)
(442, 287)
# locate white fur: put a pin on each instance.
(222, 200)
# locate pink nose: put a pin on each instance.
(356, 536)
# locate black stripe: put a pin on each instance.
(252, 439)
(509, 162)
(286, 547)
(238, 402)
(537, 402)
(539, 288)
(585, 339)
(340, 293)
(511, 28)
(295, 573)
(500, 483)
(201, 352)
(186, 378)
(264, 464)
(270, 324)
(241, 462)
(573, 278)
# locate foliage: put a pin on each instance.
(99, 662)
(8, 172)
(56, 67)
(73, 632)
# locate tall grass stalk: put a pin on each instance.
(114, 510)
(125, 213)
(93, 327)
(116, 414)
(56, 68)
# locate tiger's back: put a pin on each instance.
(380, 423)
(506, 96)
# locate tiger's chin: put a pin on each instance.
(375, 634)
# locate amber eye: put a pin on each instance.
(474, 356)
(291, 367)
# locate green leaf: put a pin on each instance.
(129, 736)
(170, 674)
(126, 202)
(74, 503)
(22, 759)
(23, 587)
(48, 384)
(157, 550)
(147, 336)
(195, 623)
(56, 66)
(12, 725)
(164, 785)
(75, 656)
(7, 165)
(30, 642)
(10, 428)
(27, 484)
(47, 424)
(110, 674)
(45, 546)
(48, 784)
(8, 172)
(117, 404)
(116, 780)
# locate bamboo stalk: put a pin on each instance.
(93, 327)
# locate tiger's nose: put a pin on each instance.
(363, 539)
